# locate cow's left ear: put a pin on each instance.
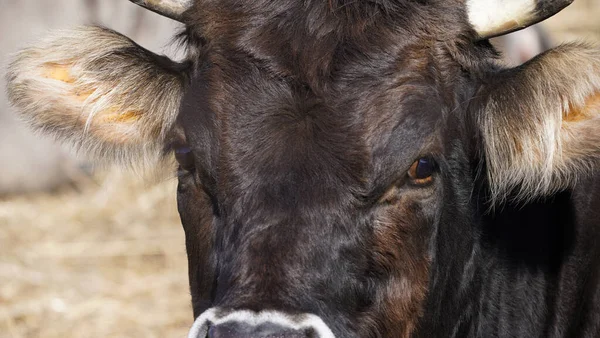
(99, 91)
(540, 123)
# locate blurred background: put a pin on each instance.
(90, 252)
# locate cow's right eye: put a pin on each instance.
(185, 158)
(421, 171)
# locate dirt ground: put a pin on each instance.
(106, 258)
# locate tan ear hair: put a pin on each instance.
(540, 123)
(98, 90)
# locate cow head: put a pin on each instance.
(335, 156)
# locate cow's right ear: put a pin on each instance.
(540, 123)
(98, 90)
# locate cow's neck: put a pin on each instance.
(531, 267)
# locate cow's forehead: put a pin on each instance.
(273, 133)
(307, 39)
(229, 19)
(326, 105)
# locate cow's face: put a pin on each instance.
(316, 187)
(331, 161)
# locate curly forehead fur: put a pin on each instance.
(307, 39)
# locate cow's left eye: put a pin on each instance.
(421, 171)
(185, 158)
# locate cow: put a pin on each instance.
(352, 168)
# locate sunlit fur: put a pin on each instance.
(100, 91)
(540, 123)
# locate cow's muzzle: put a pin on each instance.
(219, 323)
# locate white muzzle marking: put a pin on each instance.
(296, 322)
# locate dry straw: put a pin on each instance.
(104, 260)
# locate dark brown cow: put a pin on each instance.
(352, 168)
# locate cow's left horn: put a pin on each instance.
(173, 9)
(497, 17)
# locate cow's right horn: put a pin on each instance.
(173, 9)
(497, 17)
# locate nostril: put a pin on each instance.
(264, 330)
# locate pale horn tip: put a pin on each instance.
(492, 18)
(173, 9)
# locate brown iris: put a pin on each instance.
(421, 171)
